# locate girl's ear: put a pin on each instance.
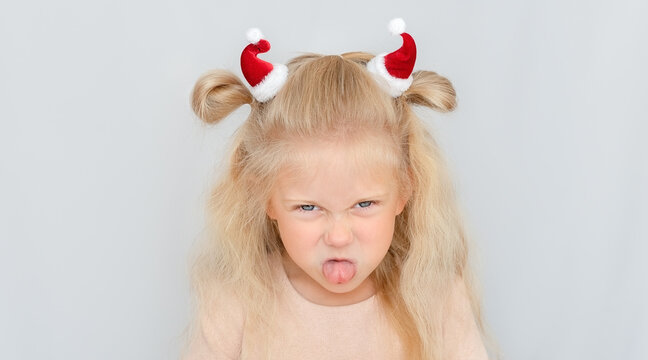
(432, 90)
(218, 93)
(405, 193)
(270, 211)
(402, 201)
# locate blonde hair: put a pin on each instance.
(333, 96)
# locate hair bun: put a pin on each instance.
(218, 93)
(431, 90)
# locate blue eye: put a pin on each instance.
(307, 207)
(364, 204)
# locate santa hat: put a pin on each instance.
(265, 78)
(396, 68)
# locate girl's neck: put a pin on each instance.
(310, 290)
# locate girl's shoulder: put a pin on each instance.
(218, 329)
(220, 322)
(461, 335)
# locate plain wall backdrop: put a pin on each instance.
(104, 169)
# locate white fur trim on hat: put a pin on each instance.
(253, 35)
(271, 84)
(397, 26)
(396, 87)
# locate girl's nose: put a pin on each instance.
(339, 232)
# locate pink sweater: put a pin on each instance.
(312, 331)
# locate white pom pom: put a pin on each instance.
(397, 26)
(254, 35)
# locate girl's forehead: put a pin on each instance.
(317, 157)
(333, 178)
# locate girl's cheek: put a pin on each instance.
(377, 229)
(306, 231)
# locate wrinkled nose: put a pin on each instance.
(339, 232)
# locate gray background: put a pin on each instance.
(104, 168)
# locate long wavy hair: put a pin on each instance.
(325, 97)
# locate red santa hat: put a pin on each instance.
(264, 78)
(396, 67)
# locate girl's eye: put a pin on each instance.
(307, 207)
(364, 204)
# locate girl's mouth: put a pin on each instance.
(338, 271)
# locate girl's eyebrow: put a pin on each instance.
(369, 197)
(313, 202)
(376, 196)
(301, 201)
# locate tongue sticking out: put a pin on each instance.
(338, 272)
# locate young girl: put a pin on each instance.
(334, 232)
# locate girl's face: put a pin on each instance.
(336, 220)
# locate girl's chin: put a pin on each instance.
(340, 289)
